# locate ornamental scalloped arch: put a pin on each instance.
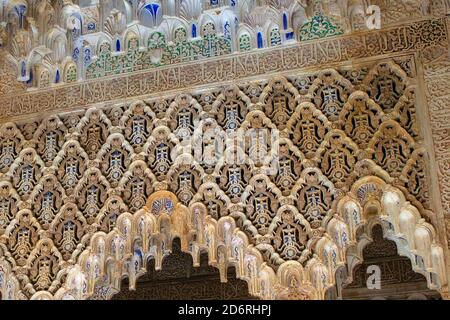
(345, 274)
(372, 201)
(149, 233)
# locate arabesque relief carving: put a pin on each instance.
(299, 172)
(275, 161)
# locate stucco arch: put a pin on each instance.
(149, 234)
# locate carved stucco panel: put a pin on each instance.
(436, 69)
(428, 36)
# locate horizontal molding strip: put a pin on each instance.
(416, 36)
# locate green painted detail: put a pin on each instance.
(180, 35)
(320, 26)
(133, 43)
(245, 42)
(157, 53)
(71, 75)
(156, 40)
(275, 37)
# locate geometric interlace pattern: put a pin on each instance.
(276, 155)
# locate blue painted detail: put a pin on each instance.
(285, 21)
(91, 26)
(227, 30)
(30, 80)
(289, 35)
(75, 33)
(260, 40)
(20, 10)
(152, 8)
(23, 69)
(194, 30)
(87, 56)
(117, 45)
(57, 78)
(214, 2)
(139, 253)
(233, 3)
(76, 54)
(77, 16)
